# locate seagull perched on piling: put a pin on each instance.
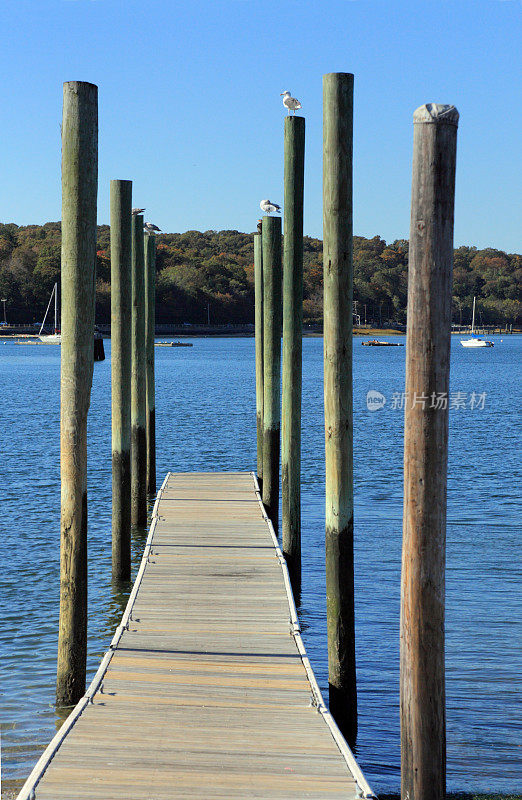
(267, 206)
(289, 102)
(259, 225)
(137, 211)
(148, 227)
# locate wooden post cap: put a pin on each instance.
(338, 75)
(435, 113)
(80, 86)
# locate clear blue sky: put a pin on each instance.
(190, 108)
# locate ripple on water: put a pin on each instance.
(206, 415)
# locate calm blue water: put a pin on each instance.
(206, 420)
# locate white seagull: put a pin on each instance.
(148, 227)
(267, 206)
(289, 102)
(137, 211)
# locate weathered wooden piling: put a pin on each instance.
(121, 314)
(138, 380)
(292, 345)
(79, 194)
(338, 287)
(272, 312)
(258, 328)
(423, 735)
(150, 328)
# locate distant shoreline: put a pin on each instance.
(195, 330)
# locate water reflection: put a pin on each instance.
(61, 714)
(120, 591)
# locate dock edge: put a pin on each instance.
(27, 792)
(363, 786)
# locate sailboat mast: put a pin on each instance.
(55, 307)
(46, 312)
(473, 318)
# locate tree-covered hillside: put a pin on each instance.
(212, 272)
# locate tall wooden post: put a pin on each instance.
(79, 194)
(271, 234)
(423, 734)
(150, 329)
(138, 380)
(292, 346)
(338, 284)
(258, 327)
(121, 312)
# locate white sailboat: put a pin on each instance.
(475, 341)
(55, 337)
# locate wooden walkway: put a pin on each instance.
(206, 691)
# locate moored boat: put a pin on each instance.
(173, 344)
(379, 343)
(475, 341)
(55, 337)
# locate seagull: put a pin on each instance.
(259, 225)
(137, 211)
(289, 102)
(268, 206)
(150, 228)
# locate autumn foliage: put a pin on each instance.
(211, 272)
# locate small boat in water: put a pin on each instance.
(51, 338)
(173, 344)
(475, 341)
(55, 337)
(378, 343)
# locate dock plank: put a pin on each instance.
(206, 694)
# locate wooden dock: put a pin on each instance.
(206, 691)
